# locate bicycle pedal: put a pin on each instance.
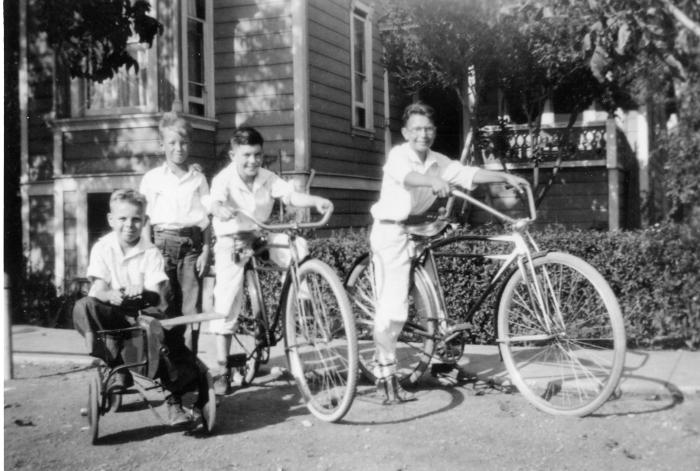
(236, 360)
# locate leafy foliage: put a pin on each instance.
(654, 273)
(90, 37)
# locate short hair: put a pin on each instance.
(128, 196)
(246, 136)
(177, 123)
(418, 108)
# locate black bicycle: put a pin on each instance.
(558, 325)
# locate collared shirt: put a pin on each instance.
(176, 202)
(397, 201)
(228, 188)
(141, 263)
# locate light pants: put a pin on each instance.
(392, 265)
(228, 292)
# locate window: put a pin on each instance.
(361, 66)
(197, 60)
(128, 91)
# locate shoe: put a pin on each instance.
(222, 384)
(176, 414)
(120, 381)
(392, 392)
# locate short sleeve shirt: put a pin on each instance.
(397, 201)
(176, 202)
(141, 263)
(228, 188)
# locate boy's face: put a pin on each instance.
(175, 145)
(247, 159)
(419, 133)
(126, 220)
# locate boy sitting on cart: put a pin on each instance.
(127, 275)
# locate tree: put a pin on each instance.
(90, 37)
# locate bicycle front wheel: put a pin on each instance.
(561, 334)
(321, 341)
(416, 341)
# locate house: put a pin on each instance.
(306, 73)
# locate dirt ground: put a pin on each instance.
(455, 424)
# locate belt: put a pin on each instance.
(390, 221)
(192, 231)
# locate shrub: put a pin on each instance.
(654, 272)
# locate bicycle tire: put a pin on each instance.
(415, 343)
(321, 342)
(564, 355)
(94, 405)
(247, 338)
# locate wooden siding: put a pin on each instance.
(578, 198)
(253, 72)
(337, 149)
(135, 149)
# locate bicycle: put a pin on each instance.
(313, 316)
(558, 325)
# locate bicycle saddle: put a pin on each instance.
(427, 229)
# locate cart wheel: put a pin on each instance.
(115, 401)
(209, 409)
(94, 400)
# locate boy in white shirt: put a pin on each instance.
(178, 198)
(127, 275)
(244, 184)
(414, 176)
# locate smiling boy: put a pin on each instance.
(246, 185)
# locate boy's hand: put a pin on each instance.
(115, 297)
(202, 262)
(515, 181)
(223, 212)
(133, 291)
(323, 205)
(440, 187)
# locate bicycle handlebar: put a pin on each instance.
(497, 213)
(287, 225)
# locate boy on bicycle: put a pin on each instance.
(243, 184)
(414, 176)
(127, 276)
(177, 193)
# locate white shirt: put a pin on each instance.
(176, 202)
(228, 188)
(397, 201)
(119, 269)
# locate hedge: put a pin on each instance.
(654, 272)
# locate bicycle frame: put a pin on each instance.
(524, 250)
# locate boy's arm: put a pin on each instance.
(102, 291)
(302, 200)
(439, 186)
(203, 259)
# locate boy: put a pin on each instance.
(127, 275)
(414, 176)
(177, 195)
(244, 184)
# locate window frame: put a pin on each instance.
(79, 88)
(207, 99)
(364, 13)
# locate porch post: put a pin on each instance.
(612, 158)
(300, 67)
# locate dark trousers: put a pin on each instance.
(178, 370)
(180, 253)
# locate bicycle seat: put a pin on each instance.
(427, 229)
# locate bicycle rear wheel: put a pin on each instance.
(562, 337)
(252, 330)
(321, 342)
(416, 341)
